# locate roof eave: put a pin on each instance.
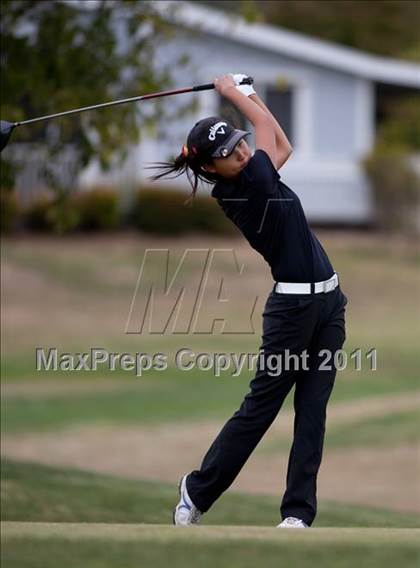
(292, 44)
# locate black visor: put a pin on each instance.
(225, 149)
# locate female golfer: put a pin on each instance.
(303, 315)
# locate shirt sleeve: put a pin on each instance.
(260, 173)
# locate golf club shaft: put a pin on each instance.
(205, 87)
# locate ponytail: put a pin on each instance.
(188, 163)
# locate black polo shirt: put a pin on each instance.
(271, 217)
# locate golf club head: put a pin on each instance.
(6, 129)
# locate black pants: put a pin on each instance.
(298, 323)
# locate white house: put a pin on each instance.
(329, 100)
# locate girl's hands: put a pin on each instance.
(224, 84)
(246, 90)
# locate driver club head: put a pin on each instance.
(6, 129)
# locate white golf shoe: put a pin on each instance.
(185, 513)
(293, 523)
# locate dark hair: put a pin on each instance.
(188, 163)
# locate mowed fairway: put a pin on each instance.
(83, 519)
(91, 460)
(101, 545)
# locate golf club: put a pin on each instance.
(6, 128)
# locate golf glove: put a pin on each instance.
(247, 90)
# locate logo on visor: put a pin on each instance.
(217, 129)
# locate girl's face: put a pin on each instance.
(230, 166)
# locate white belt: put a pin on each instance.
(305, 287)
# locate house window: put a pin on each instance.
(279, 101)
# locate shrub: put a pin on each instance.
(164, 211)
(48, 214)
(36, 214)
(206, 215)
(396, 189)
(155, 210)
(63, 215)
(9, 210)
(392, 169)
(160, 211)
(8, 170)
(401, 129)
(98, 209)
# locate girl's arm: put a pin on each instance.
(265, 138)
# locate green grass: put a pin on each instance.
(74, 272)
(103, 547)
(143, 509)
(380, 431)
(391, 429)
(32, 492)
(161, 397)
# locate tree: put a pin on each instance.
(59, 55)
